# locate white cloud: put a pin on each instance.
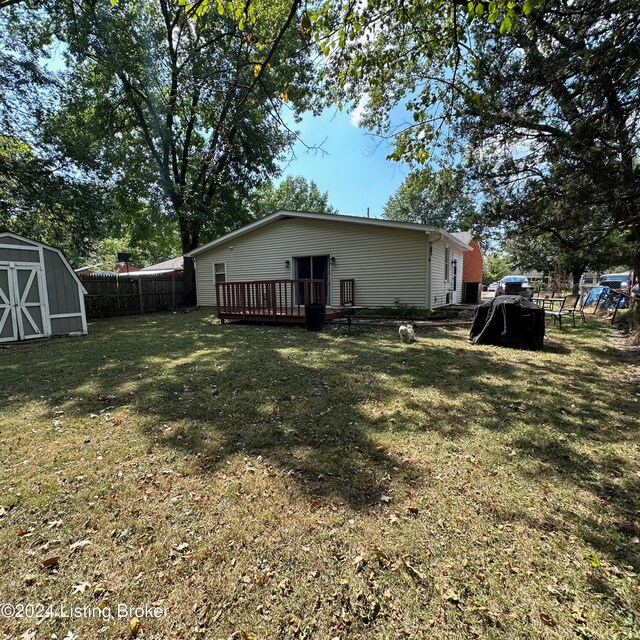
(356, 114)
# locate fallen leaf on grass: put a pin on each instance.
(29, 635)
(413, 572)
(547, 619)
(134, 626)
(382, 557)
(51, 562)
(451, 596)
(76, 546)
(81, 588)
(285, 586)
(579, 613)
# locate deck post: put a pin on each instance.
(273, 301)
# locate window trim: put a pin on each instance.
(226, 273)
(447, 260)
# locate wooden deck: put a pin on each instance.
(277, 301)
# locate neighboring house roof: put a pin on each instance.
(283, 214)
(174, 264)
(126, 267)
(154, 272)
(529, 274)
(464, 236)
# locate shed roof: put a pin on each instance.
(283, 214)
(15, 236)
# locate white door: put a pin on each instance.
(8, 320)
(22, 306)
(28, 294)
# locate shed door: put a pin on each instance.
(29, 303)
(8, 321)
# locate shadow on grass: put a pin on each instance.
(311, 404)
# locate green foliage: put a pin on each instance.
(163, 103)
(294, 193)
(39, 203)
(440, 198)
(495, 267)
(543, 96)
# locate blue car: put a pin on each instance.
(523, 280)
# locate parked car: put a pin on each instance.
(620, 281)
(493, 286)
(523, 280)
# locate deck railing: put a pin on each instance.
(267, 298)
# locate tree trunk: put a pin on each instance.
(576, 275)
(189, 237)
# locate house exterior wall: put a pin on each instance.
(386, 263)
(440, 286)
(473, 263)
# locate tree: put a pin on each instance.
(541, 96)
(495, 267)
(38, 202)
(294, 193)
(543, 233)
(193, 101)
(437, 198)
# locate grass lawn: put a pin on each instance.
(266, 482)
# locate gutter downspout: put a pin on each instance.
(430, 240)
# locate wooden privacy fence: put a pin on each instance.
(127, 295)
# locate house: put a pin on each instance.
(472, 271)
(126, 268)
(40, 294)
(349, 260)
(172, 267)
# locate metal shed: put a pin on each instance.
(40, 295)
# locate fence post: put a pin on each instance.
(140, 297)
(173, 293)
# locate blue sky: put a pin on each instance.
(353, 169)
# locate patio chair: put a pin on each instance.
(569, 307)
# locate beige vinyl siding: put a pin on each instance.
(439, 286)
(458, 255)
(385, 263)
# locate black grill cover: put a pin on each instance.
(509, 321)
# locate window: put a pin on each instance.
(447, 260)
(219, 272)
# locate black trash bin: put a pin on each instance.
(472, 292)
(314, 315)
